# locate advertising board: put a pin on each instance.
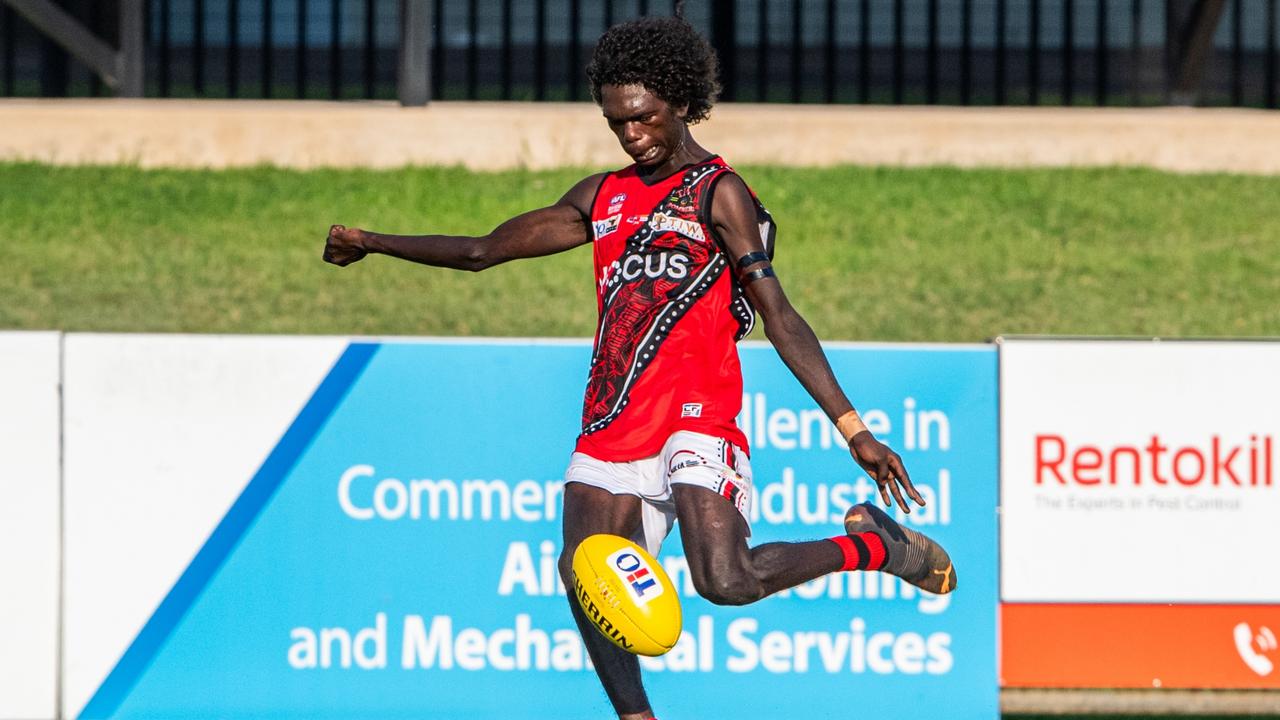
(1139, 492)
(390, 548)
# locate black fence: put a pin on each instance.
(957, 52)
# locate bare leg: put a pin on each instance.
(726, 571)
(589, 510)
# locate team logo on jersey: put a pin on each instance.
(662, 222)
(606, 226)
(681, 199)
(632, 266)
(615, 202)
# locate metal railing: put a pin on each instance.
(961, 52)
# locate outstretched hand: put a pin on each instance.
(886, 468)
(344, 245)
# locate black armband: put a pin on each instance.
(750, 259)
(758, 274)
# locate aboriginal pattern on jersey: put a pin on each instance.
(672, 263)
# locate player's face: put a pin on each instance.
(648, 128)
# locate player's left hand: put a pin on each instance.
(886, 467)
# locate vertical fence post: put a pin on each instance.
(233, 48)
(830, 60)
(300, 67)
(864, 52)
(899, 54)
(1001, 41)
(931, 79)
(1135, 53)
(164, 24)
(797, 48)
(437, 49)
(1101, 57)
(91, 13)
(724, 38)
(414, 86)
(268, 35)
(1237, 53)
(507, 29)
(762, 51)
(370, 50)
(197, 47)
(1033, 59)
(335, 49)
(1190, 28)
(132, 48)
(473, 49)
(1271, 54)
(1171, 26)
(575, 50)
(966, 52)
(8, 18)
(540, 50)
(1068, 51)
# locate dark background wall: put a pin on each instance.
(1019, 52)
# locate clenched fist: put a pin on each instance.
(344, 245)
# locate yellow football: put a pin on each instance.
(626, 594)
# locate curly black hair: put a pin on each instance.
(665, 55)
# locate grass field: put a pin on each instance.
(866, 254)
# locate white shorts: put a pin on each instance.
(688, 457)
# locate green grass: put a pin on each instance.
(866, 254)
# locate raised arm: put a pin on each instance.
(733, 213)
(545, 231)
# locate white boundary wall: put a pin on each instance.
(29, 522)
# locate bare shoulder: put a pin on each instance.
(732, 205)
(731, 201)
(583, 194)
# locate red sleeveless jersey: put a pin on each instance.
(671, 313)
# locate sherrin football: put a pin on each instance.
(626, 594)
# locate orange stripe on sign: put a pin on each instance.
(1140, 646)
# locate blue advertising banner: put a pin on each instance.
(395, 554)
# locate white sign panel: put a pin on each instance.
(29, 364)
(162, 433)
(1136, 471)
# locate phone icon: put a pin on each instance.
(1255, 657)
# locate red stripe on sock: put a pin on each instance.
(875, 545)
(852, 558)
